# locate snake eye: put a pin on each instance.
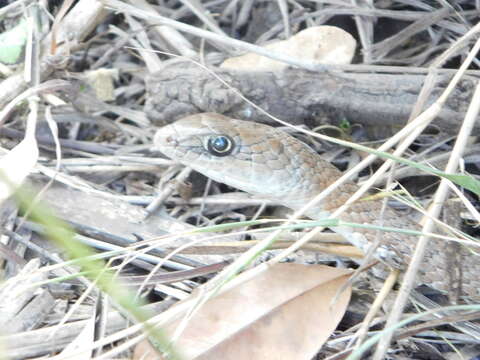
(220, 145)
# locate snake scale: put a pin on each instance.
(267, 162)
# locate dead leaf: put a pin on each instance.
(145, 351)
(284, 313)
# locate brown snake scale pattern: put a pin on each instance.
(268, 162)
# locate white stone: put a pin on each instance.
(323, 44)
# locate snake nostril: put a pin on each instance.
(170, 140)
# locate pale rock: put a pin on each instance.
(323, 44)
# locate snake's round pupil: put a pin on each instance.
(220, 145)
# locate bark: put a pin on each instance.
(380, 102)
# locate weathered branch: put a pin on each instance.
(378, 101)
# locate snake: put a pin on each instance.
(269, 163)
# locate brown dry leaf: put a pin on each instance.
(145, 351)
(284, 313)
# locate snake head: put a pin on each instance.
(249, 156)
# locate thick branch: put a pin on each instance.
(378, 101)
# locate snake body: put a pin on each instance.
(268, 162)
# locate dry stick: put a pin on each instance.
(198, 9)
(433, 212)
(382, 48)
(56, 24)
(362, 332)
(166, 192)
(174, 38)
(430, 324)
(365, 31)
